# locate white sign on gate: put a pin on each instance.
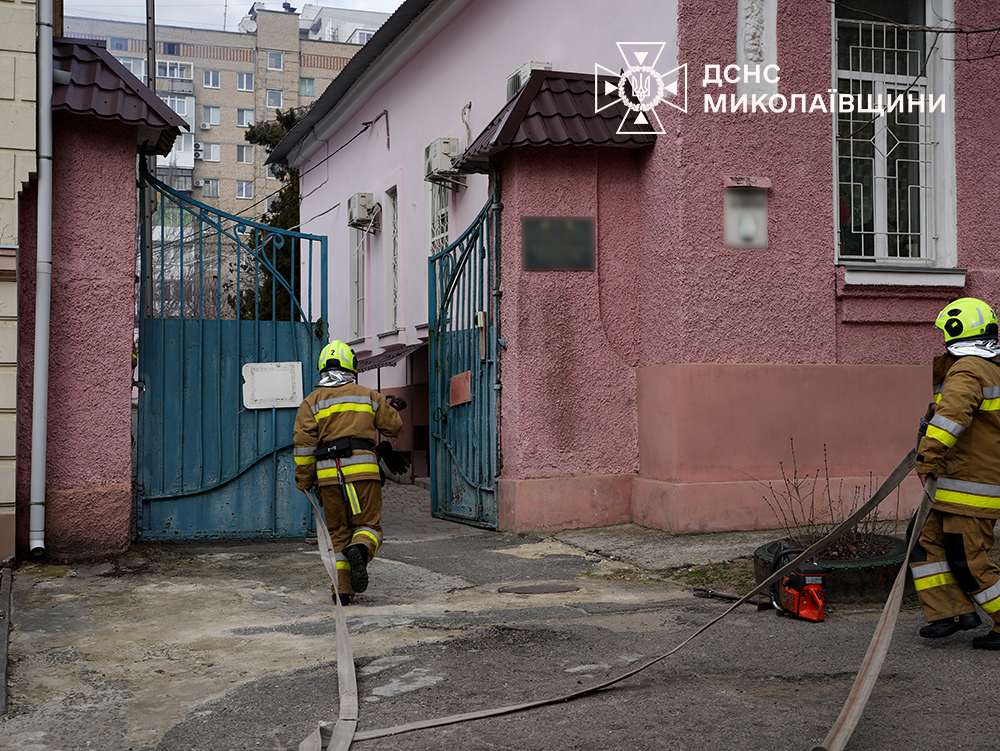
(267, 385)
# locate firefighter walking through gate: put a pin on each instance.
(335, 434)
(961, 448)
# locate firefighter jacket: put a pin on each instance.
(962, 443)
(348, 411)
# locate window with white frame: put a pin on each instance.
(307, 87)
(439, 217)
(891, 166)
(244, 188)
(244, 118)
(269, 171)
(177, 103)
(244, 154)
(274, 98)
(244, 81)
(174, 69)
(210, 115)
(171, 48)
(357, 239)
(135, 65)
(117, 43)
(211, 79)
(360, 36)
(392, 259)
(210, 152)
(275, 60)
(210, 189)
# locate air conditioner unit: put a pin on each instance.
(519, 77)
(361, 210)
(199, 183)
(198, 146)
(438, 158)
(198, 155)
(206, 126)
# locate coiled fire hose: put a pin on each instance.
(340, 737)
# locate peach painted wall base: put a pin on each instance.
(555, 503)
(687, 508)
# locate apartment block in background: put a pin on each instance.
(221, 82)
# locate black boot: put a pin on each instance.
(948, 626)
(989, 641)
(345, 599)
(357, 556)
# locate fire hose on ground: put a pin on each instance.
(343, 733)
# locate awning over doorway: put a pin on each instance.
(388, 358)
(554, 109)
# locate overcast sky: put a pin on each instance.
(202, 14)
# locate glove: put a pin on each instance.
(396, 402)
(395, 462)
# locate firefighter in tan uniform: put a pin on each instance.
(335, 433)
(961, 448)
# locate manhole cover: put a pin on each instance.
(538, 589)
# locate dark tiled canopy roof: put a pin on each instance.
(552, 109)
(101, 86)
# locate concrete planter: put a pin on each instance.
(848, 581)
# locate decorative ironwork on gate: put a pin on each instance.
(216, 292)
(464, 377)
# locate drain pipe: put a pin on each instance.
(43, 282)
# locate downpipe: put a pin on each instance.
(43, 283)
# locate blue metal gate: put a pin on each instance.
(217, 292)
(464, 381)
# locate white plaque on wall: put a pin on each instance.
(272, 384)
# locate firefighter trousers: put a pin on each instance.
(951, 571)
(347, 528)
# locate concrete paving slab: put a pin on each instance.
(655, 550)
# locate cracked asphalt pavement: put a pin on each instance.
(227, 647)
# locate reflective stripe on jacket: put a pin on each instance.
(962, 443)
(348, 411)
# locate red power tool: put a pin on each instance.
(801, 593)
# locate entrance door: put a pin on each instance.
(218, 292)
(463, 373)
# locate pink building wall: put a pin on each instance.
(617, 383)
(88, 461)
(735, 352)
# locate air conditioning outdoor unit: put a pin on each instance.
(198, 146)
(438, 158)
(519, 77)
(199, 183)
(198, 154)
(361, 210)
(206, 126)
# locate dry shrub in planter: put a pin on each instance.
(807, 509)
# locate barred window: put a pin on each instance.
(887, 207)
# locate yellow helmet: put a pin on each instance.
(967, 318)
(336, 354)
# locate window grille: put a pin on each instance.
(884, 163)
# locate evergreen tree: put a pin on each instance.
(269, 299)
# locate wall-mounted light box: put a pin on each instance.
(745, 211)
